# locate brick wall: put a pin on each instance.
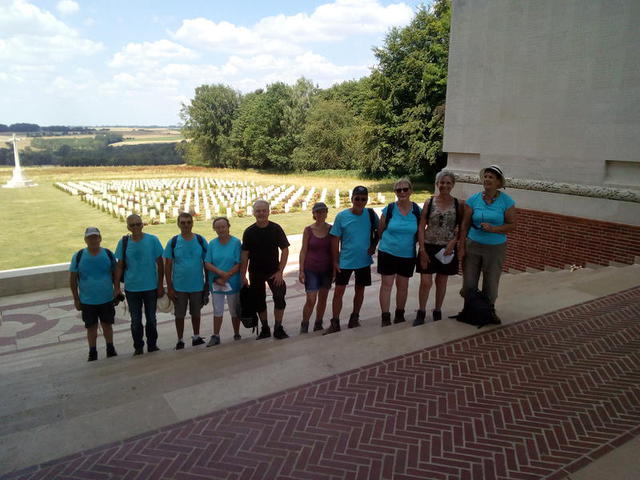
(548, 239)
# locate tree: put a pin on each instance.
(208, 120)
(406, 111)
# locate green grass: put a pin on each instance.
(43, 225)
(151, 139)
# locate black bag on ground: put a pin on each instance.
(477, 310)
(248, 314)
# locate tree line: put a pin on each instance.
(388, 123)
(33, 129)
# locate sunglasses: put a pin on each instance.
(360, 199)
(139, 224)
(403, 190)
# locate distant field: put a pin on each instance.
(43, 225)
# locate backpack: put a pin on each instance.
(79, 253)
(203, 244)
(125, 242)
(415, 209)
(477, 310)
(248, 314)
(373, 236)
(457, 207)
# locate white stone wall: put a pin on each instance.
(549, 90)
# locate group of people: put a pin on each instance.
(432, 240)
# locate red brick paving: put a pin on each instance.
(535, 400)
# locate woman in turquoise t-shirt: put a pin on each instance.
(397, 250)
(489, 215)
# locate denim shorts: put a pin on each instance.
(314, 281)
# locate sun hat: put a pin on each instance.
(319, 206)
(360, 190)
(91, 231)
(164, 305)
(494, 169)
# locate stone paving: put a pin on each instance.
(537, 399)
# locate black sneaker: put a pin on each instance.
(399, 316)
(265, 332)
(93, 356)
(152, 349)
(317, 326)
(386, 319)
(437, 315)
(197, 341)
(354, 320)
(237, 337)
(304, 327)
(420, 316)
(138, 351)
(179, 345)
(215, 340)
(334, 326)
(279, 333)
(111, 351)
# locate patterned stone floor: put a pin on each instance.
(535, 400)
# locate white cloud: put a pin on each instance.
(29, 35)
(150, 54)
(67, 7)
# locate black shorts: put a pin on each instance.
(391, 265)
(435, 265)
(363, 276)
(91, 314)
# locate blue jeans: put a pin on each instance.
(135, 300)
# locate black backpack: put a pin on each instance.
(203, 244)
(373, 235)
(248, 314)
(477, 310)
(79, 253)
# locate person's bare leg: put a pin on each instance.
(92, 335)
(384, 296)
(195, 323)
(402, 288)
(217, 324)
(107, 331)
(307, 310)
(336, 304)
(426, 280)
(180, 327)
(235, 321)
(441, 289)
(322, 304)
(278, 315)
(264, 320)
(358, 298)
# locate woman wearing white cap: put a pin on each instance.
(489, 215)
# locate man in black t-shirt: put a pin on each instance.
(265, 250)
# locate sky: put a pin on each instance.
(135, 62)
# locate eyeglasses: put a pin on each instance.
(360, 199)
(403, 190)
(138, 224)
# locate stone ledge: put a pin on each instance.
(33, 279)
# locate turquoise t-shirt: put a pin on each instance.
(224, 257)
(141, 270)
(399, 236)
(188, 263)
(355, 234)
(492, 213)
(95, 277)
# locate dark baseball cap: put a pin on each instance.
(360, 190)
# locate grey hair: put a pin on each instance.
(446, 173)
(403, 180)
(213, 224)
(261, 200)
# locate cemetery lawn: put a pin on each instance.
(43, 225)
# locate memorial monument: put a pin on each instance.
(550, 91)
(18, 180)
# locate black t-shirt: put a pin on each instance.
(262, 245)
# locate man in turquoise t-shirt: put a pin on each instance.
(184, 271)
(353, 240)
(140, 261)
(91, 282)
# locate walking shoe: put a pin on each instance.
(279, 333)
(334, 326)
(152, 348)
(213, 341)
(179, 345)
(304, 327)
(237, 337)
(93, 356)
(111, 351)
(437, 315)
(317, 326)
(495, 319)
(399, 316)
(354, 321)
(386, 319)
(420, 316)
(138, 351)
(265, 332)
(197, 341)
